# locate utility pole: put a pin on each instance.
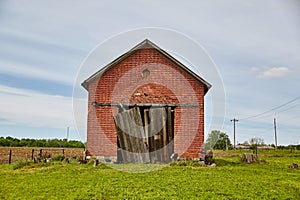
(68, 129)
(275, 132)
(234, 121)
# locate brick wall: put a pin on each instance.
(166, 83)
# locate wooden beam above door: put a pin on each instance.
(95, 104)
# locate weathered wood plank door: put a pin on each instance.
(145, 136)
(131, 136)
(160, 134)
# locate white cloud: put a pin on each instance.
(275, 72)
(254, 69)
(26, 55)
(34, 109)
(35, 72)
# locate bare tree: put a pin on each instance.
(254, 142)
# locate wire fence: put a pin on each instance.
(12, 154)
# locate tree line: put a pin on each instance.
(26, 142)
(219, 140)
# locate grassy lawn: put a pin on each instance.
(270, 179)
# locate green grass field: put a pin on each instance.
(231, 179)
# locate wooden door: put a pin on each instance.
(145, 135)
(131, 136)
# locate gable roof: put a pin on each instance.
(143, 45)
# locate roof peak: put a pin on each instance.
(146, 43)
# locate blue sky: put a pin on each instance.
(254, 44)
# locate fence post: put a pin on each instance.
(32, 154)
(63, 152)
(9, 158)
(41, 153)
(84, 154)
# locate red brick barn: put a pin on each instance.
(144, 106)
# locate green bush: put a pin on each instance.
(58, 158)
(74, 161)
(91, 161)
(21, 164)
(192, 163)
(181, 163)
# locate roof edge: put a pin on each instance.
(142, 45)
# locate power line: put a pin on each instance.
(290, 119)
(275, 108)
(289, 108)
(275, 113)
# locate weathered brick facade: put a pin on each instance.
(146, 74)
